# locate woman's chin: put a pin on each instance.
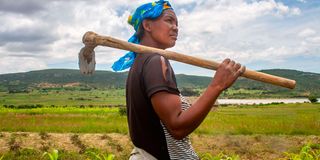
(171, 45)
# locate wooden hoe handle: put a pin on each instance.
(92, 39)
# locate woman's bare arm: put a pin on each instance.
(181, 123)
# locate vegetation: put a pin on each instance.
(101, 156)
(189, 92)
(229, 148)
(27, 154)
(53, 99)
(54, 155)
(64, 101)
(310, 151)
(71, 80)
(288, 119)
(220, 156)
(313, 99)
(307, 152)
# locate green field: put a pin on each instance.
(250, 131)
(95, 112)
(288, 119)
(103, 98)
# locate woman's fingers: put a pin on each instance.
(232, 63)
(226, 61)
(241, 70)
(236, 68)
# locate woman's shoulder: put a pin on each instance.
(155, 57)
(150, 58)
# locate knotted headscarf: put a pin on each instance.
(147, 11)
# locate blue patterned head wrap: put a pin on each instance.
(147, 11)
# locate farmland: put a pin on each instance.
(61, 97)
(75, 122)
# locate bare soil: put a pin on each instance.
(251, 147)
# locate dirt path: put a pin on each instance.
(247, 147)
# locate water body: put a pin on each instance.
(263, 101)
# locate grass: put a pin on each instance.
(247, 130)
(307, 152)
(75, 120)
(65, 98)
(288, 119)
(29, 153)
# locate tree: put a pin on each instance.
(189, 92)
(313, 98)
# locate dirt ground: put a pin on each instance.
(253, 147)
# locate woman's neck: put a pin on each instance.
(148, 41)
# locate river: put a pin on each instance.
(263, 101)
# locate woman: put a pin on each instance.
(159, 117)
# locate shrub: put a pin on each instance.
(189, 92)
(313, 99)
(122, 111)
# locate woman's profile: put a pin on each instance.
(159, 117)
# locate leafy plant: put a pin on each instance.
(54, 155)
(220, 156)
(101, 156)
(307, 152)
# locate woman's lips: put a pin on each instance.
(174, 36)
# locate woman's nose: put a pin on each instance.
(175, 27)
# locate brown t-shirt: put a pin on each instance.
(145, 79)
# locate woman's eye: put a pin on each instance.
(169, 20)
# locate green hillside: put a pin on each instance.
(307, 83)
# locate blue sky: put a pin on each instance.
(261, 34)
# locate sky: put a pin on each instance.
(260, 34)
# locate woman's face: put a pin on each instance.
(164, 30)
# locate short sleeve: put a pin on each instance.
(159, 76)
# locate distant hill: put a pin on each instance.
(306, 82)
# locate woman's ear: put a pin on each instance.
(147, 25)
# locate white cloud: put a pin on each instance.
(307, 32)
(21, 64)
(235, 29)
(295, 11)
(246, 31)
(302, 1)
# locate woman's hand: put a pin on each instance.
(226, 74)
(181, 123)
